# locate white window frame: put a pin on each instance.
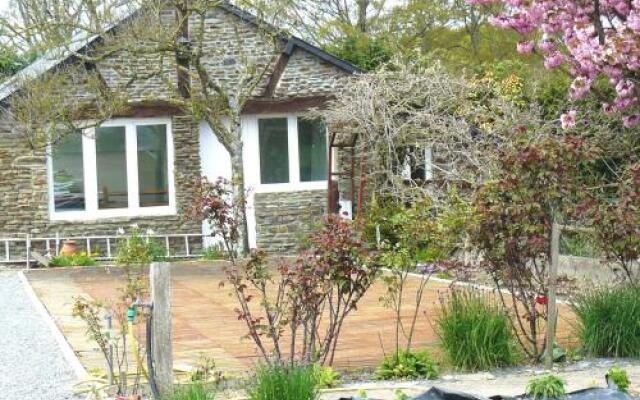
(91, 211)
(252, 156)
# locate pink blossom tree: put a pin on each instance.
(592, 38)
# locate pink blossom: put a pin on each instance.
(525, 47)
(579, 88)
(568, 119)
(631, 121)
(554, 60)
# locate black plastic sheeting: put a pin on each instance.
(586, 394)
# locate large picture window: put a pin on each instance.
(292, 150)
(122, 168)
(68, 173)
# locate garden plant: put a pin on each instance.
(546, 388)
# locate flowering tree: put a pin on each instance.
(593, 39)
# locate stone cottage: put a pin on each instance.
(129, 169)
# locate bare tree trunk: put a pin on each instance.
(237, 179)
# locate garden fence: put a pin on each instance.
(20, 249)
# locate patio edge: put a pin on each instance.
(67, 352)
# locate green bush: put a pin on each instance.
(475, 334)
(138, 248)
(619, 376)
(408, 364)
(194, 391)
(78, 259)
(213, 253)
(546, 387)
(326, 377)
(608, 321)
(280, 382)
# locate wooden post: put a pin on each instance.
(551, 304)
(160, 276)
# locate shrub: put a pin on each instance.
(78, 259)
(408, 364)
(326, 377)
(619, 376)
(475, 334)
(546, 387)
(213, 253)
(193, 391)
(608, 321)
(138, 248)
(278, 382)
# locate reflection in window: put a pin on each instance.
(68, 174)
(274, 150)
(312, 149)
(153, 182)
(111, 166)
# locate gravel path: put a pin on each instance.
(31, 363)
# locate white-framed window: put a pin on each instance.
(123, 168)
(291, 153)
(417, 164)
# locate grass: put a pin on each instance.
(609, 321)
(620, 377)
(474, 333)
(194, 391)
(546, 387)
(280, 382)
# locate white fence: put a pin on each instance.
(19, 250)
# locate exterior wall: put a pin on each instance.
(23, 171)
(284, 219)
(24, 192)
(307, 75)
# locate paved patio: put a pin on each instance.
(205, 323)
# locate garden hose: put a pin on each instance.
(152, 373)
(131, 316)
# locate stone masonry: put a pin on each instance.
(281, 219)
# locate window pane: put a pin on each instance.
(68, 174)
(312, 147)
(111, 165)
(274, 150)
(152, 165)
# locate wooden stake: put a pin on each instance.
(551, 304)
(160, 276)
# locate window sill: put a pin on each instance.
(290, 187)
(84, 216)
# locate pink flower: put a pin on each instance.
(579, 88)
(554, 60)
(525, 47)
(631, 121)
(568, 120)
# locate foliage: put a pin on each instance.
(12, 62)
(475, 334)
(620, 377)
(421, 240)
(279, 382)
(216, 204)
(138, 248)
(213, 253)
(362, 50)
(330, 276)
(326, 377)
(112, 343)
(535, 184)
(569, 34)
(608, 321)
(546, 387)
(193, 391)
(78, 259)
(408, 364)
(579, 244)
(617, 226)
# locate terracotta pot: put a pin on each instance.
(69, 248)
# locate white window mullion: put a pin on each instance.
(132, 167)
(90, 171)
(294, 160)
(428, 163)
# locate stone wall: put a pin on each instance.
(24, 193)
(284, 219)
